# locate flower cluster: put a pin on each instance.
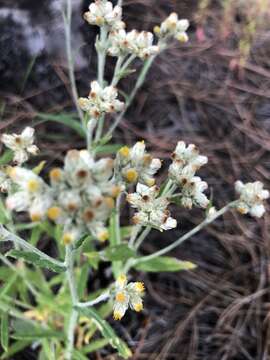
(173, 27)
(101, 101)
(22, 144)
(252, 196)
(136, 165)
(126, 295)
(80, 196)
(186, 161)
(152, 209)
(133, 42)
(102, 13)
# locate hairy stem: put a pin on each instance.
(137, 86)
(100, 298)
(69, 261)
(183, 238)
(67, 26)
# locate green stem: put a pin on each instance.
(69, 262)
(101, 50)
(137, 86)
(116, 75)
(100, 298)
(141, 238)
(183, 238)
(67, 26)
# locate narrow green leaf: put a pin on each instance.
(27, 331)
(77, 355)
(36, 259)
(164, 263)
(108, 149)
(93, 258)
(6, 157)
(82, 283)
(107, 331)
(120, 252)
(4, 331)
(16, 347)
(84, 238)
(37, 170)
(65, 119)
(95, 345)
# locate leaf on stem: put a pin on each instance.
(107, 331)
(165, 264)
(36, 259)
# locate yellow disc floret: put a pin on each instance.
(33, 185)
(117, 315)
(67, 238)
(35, 217)
(139, 286)
(150, 182)
(109, 201)
(157, 30)
(120, 297)
(124, 151)
(55, 174)
(103, 235)
(131, 175)
(138, 307)
(121, 280)
(54, 212)
(116, 191)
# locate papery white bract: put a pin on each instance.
(102, 12)
(173, 27)
(21, 144)
(252, 196)
(152, 210)
(186, 161)
(101, 101)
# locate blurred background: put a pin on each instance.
(213, 91)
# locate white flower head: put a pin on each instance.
(21, 144)
(151, 209)
(126, 295)
(32, 195)
(192, 193)
(186, 161)
(252, 196)
(101, 101)
(173, 27)
(102, 12)
(136, 165)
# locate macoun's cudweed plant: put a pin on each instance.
(79, 205)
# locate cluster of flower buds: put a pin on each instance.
(136, 165)
(152, 208)
(173, 27)
(80, 196)
(103, 13)
(252, 196)
(21, 144)
(101, 101)
(186, 161)
(126, 295)
(83, 195)
(133, 42)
